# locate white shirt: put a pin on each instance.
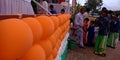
(45, 5)
(96, 29)
(79, 19)
(28, 0)
(86, 15)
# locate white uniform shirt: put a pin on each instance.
(45, 5)
(79, 19)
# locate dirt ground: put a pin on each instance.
(87, 54)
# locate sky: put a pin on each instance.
(109, 4)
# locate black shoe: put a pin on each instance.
(103, 55)
(81, 47)
(113, 47)
(108, 46)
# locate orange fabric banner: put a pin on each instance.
(59, 1)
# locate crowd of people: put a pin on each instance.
(101, 33)
(50, 8)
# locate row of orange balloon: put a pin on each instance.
(31, 38)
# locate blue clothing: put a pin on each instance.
(102, 22)
(114, 26)
(110, 17)
(90, 36)
(53, 11)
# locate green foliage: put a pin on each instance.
(93, 4)
(118, 12)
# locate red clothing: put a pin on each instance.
(59, 1)
(85, 32)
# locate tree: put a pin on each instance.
(75, 10)
(94, 4)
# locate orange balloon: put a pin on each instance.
(58, 44)
(35, 27)
(47, 26)
(47, 46)
(35, 53)
(68, 16)
(61, 29)
(53, 39)
(56, 21)
(65, 18)
(61, 19)
(54, 53)
(50, 57)
(15, 39)
(59, 32)
(68, 23)
(62, 36)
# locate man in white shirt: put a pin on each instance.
(78, 25)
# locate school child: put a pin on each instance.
(90, 36)
(114, 32)
(86, 20)
(96, 29)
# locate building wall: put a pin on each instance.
(15, 7)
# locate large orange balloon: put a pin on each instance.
(65, 18)
(62, 28)
(54, 53)
(15, 38)
(47, 46)
(56, 21)
(35, 27)
(69, 16)
(47, 26)
(58, 44)
(61, 19)
(35, 53)
(53, 39)
(50, 57)
(62, 36)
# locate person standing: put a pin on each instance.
(91, 33)
(78, 26)
(86, 20)
(62, 11)
(86, 14)
(114, 32)
(101, 43)
(52, 9)
(119, 24)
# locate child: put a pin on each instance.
(62, 11)
(114, 32)
(52, 9)
(96, 29)
(90, 36)
(86, 20)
